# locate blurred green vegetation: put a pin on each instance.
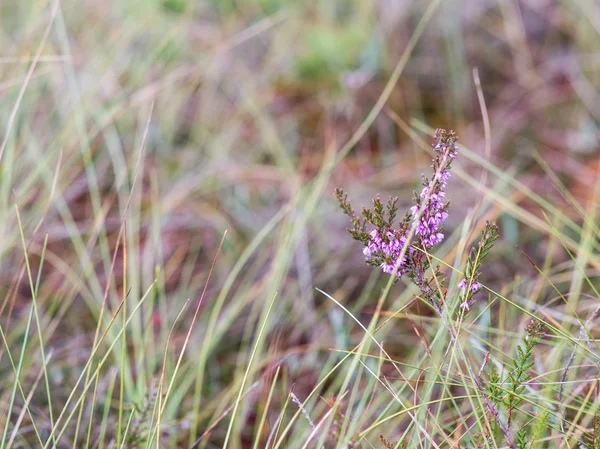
(159, 125)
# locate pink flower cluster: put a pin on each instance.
(431, 210)
(388, 249)
(385, 246)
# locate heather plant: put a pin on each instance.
(403, 249)
(507, 392)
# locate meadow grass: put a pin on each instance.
(176, 271)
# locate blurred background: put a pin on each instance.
(159, 125)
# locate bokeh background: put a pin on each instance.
(159, 125)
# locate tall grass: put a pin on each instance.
(176, 272)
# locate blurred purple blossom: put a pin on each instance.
(475, 286)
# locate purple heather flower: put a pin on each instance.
(375, 236)
(389, 252)
(475, 286)
(389, 268)
(433, 239)
(431, 207)
(465, 305)
(422, 228)
(384, 245)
